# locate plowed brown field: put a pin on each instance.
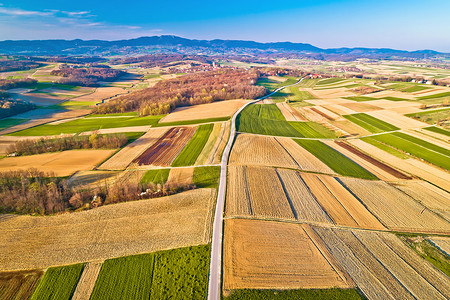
(263, 254)
(166, 149)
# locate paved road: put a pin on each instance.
(215, 268)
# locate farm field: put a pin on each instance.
(262, 254)
(370, 123)
(179, 272)
(126, 155)
(306, 294)
(62, 163)
(382, 266)
(218, 109)
(19, 284)
(194, 147)
(58, 282)
(433, 116)
(335, 160)
(278, 152)
(164, 151)
(157, 176)
(109, 231)
(87, 280)
(179, 176)
(90, 123)
(212, 145)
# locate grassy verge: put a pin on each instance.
(178, 273)
(58, 283)
(438, 130)
(157, 176)
(370, 123)
(306, 294)
(206, 177)
(429, 252)
(191, 122)
(88, 124)
(189, 155)
(417, 147)
(384, 147)
(9, 122)
(335, 160)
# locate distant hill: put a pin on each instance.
(175, 44)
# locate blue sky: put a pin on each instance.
(400, 24)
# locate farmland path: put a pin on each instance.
(215, 269)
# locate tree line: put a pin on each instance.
(44, 145)
(86, 76)
(35, 192)
(190, 89)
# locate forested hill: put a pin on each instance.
(174, 44)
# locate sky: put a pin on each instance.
(398, 24)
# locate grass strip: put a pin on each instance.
(305, 294)
(370, 123)
(406, 145)
(335, 160)
(174, 274)
(9, 122)
(440, 95)
(58, 283)
(313, 130)
(157, 176)
(191, 122)
(329, 81)
(438, 130)
(192, 150)
(206, 177)
(384, 147)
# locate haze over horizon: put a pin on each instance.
(325, 24)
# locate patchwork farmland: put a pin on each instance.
(333, 188)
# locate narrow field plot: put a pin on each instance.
(156, 176)
(92, 178)
(87, 281)
(204, 111)
(339, 204)
(443, 243)
(101, 93)
(174, 274)
(289, 113)
(395, 209)
(438, 132)
(382, 266)
(264, 254)
(304, 159)
(424, 135)
(350, 127)
(332, 93)
(109, 231)
(370, 123)
(339, 109)
(62, 163)
(119, 130)
(58, 282)
(386, 104)
(379, 169)
(410, 166)
(260, 150)
(389, 93)
(305, 205)
(360, 107)
(125, 156)
(216, 153)
(204, 156)
(194, 147)
(329, 115)
(179, 176)
(164, 151)
(396, 119)
(335, 160)
(18, 285)
(238, 201)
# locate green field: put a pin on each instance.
(5, 123)
(438, 130)
(173, 274)
(206, 177)
(432, 116)
(329, 81)
(88, 124)
(384, 147)
(157, 176)
(440, 95)
(395, 99)
(192, 150)
(267, 119)
(273, 84)
(58, 283)
(335, 160)
(416, 88)
(360, 98)
(306, 294)
(370, 123)
(294, 95)
(191, 122)
(419, 148)
(308, 83)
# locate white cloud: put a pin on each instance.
(22, 12)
